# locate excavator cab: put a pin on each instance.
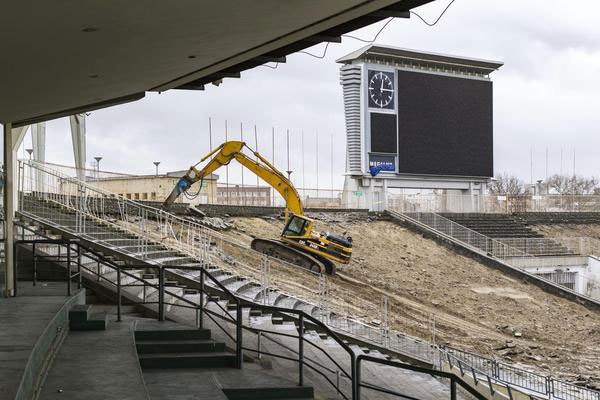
(297, 226)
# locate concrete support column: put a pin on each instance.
(385, 195)
(12, 140)
(9, 211)
(78, 136)
(38, 141)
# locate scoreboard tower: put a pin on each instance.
(416, 120)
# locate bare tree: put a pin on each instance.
(578, 185)
(559, 184)
(505, 184)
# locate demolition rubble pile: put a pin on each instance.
(475, 308)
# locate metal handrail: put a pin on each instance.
(161, 303)
(441, 374)
(302, 316)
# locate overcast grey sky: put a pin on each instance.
(545, 96)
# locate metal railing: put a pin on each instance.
(454, 379)
(494, 204)
(478, 242)
(514, 377)
(220, 193)
(537, 256)
(43, 190)
(584, 246)
(62, 257)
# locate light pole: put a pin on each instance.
(156, 163)
(97, 166)
(29, 151)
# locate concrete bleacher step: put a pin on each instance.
(98, 322)
(179, 346)
(168, 346)
(173, 334)
(80, 312)
(213, 359)
(246, 385)
(271, 393)
(81, 319)
(255, 312)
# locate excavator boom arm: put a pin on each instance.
(223, 156)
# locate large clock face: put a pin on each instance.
(381, 89)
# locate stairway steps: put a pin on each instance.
(80, 312)
(97, 322)
(179, 346)
(271, 393)
(173, 334)
(188, 360)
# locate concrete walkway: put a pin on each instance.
(97, 365)
(22, 320)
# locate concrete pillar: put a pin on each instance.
(9, 211)
(385, 195)
(38, 140)
(12, 140)
(18, 134)
(78, 136)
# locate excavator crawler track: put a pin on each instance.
(282, 251)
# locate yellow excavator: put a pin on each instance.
(298, 243)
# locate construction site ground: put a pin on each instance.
(475, 307)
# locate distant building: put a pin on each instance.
(322, 201)
(247, 195)
(157, 187)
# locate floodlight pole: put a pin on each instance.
(273, 162)
(256, 150)
(97, 166)
(243, 190)
(156, 163)
(226, 169)
(289, 172)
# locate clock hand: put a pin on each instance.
(387, 90)
(381, 86)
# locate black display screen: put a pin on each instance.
(384, 133)
(445, 125)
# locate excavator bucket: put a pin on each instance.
(183, 184)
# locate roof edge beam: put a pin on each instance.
(224, 74)
(390, 12)
(82, 109)
(322, 38)
(267, 59)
